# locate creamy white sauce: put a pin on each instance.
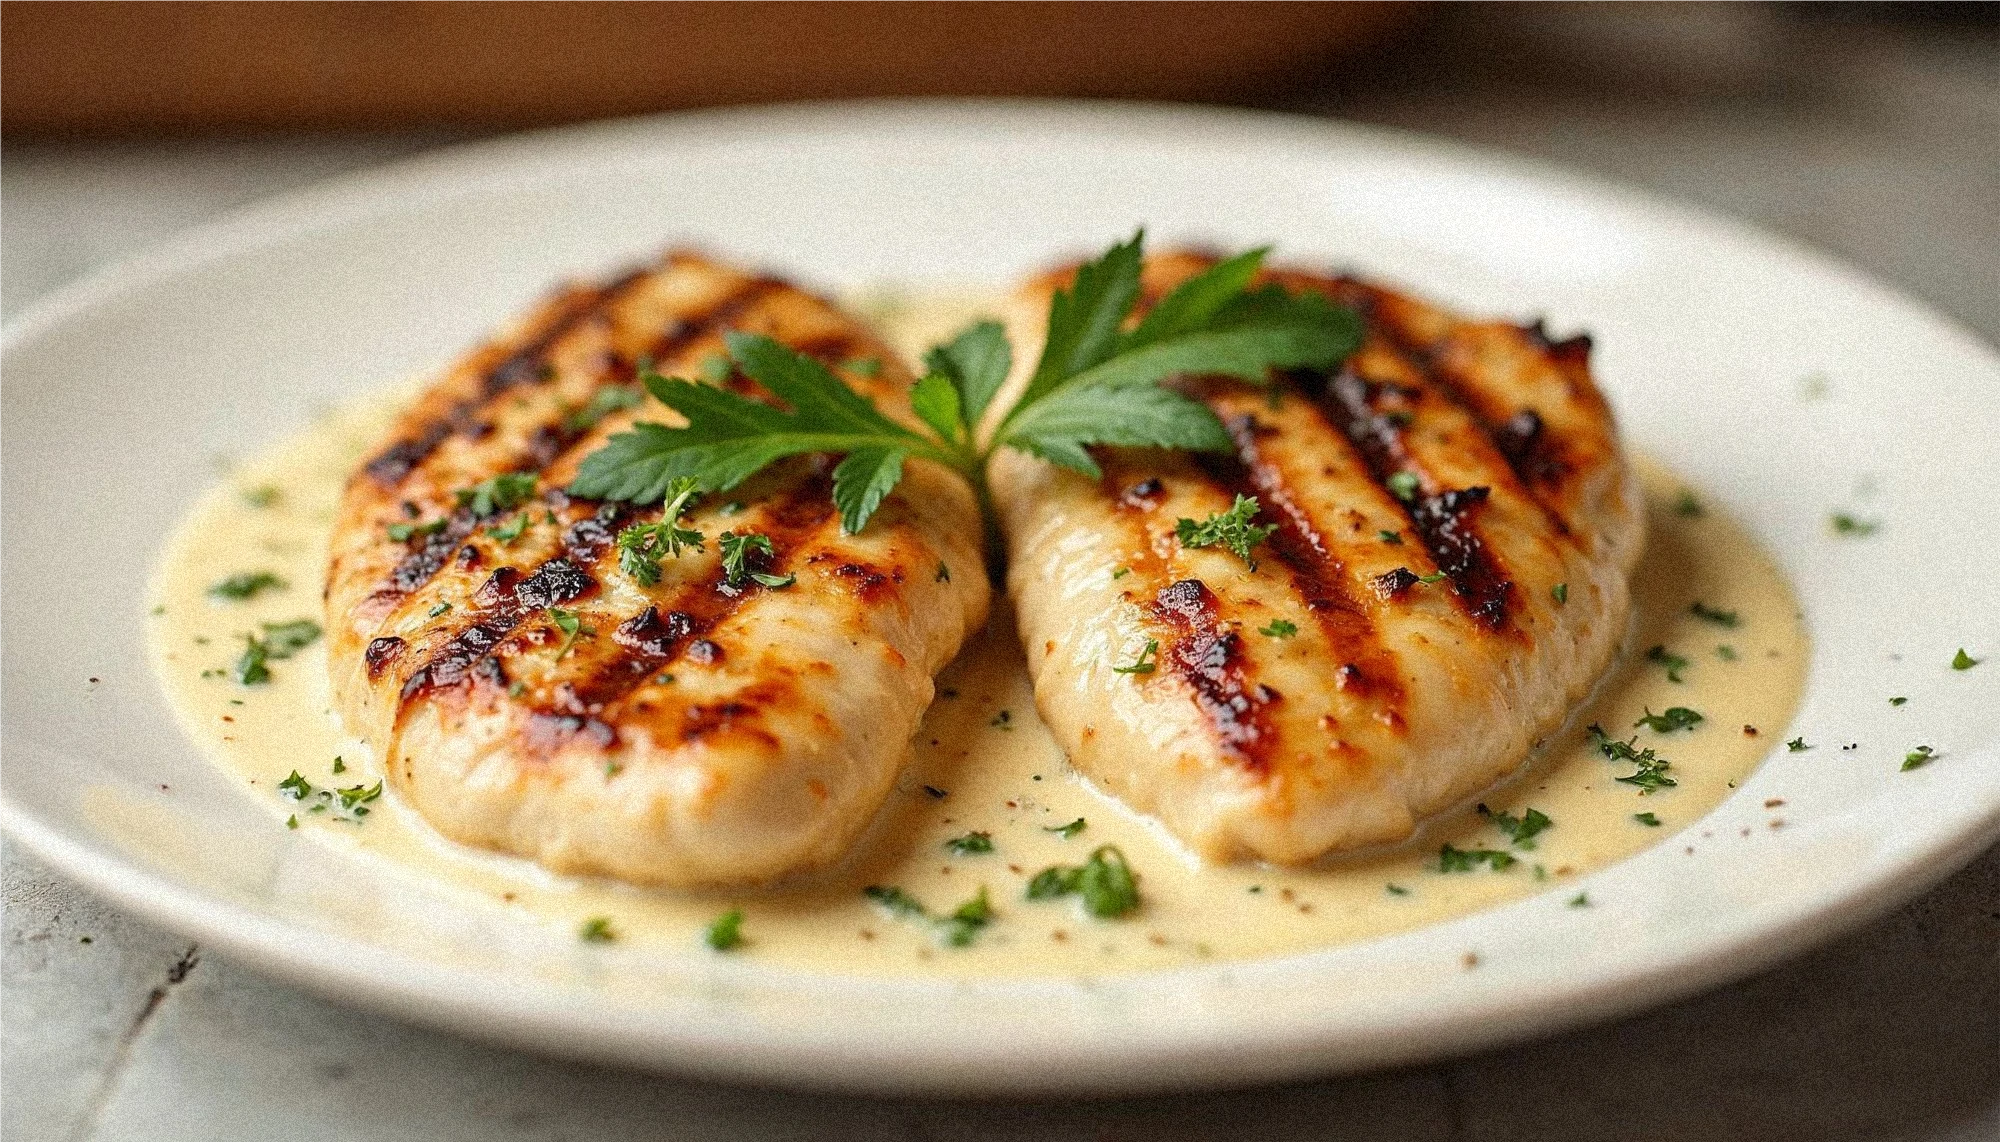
(1002, 775)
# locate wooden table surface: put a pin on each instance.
(1880, 145)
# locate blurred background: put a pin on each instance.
(1871, 131)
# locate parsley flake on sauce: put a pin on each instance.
(1393, 538)
(261, 496)
(1066, 831)
(1560, 593)
(1919, 757)
(1580, 900)
(404, 532)
(246, 585)
(295, 787)
(1797, 745)
(1452, 859)
(512, 529)
(1650, 820)
(1963, 661)
(1279, 628)
(1687, 507)
(971, 844)
(1719, 617)
(1232, 529)
(1106, 883)
(596, 930)
(1521, 831)
(1650, 769)
(1673, 662)
(726, 931)
(1676, 718)
(1897, 701)
(1844, 524)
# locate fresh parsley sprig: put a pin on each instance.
(1097, 382)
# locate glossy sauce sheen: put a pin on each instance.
(984, 762)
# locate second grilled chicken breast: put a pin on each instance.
(527, 694)
(1454, 529)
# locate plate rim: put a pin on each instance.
(429, 992)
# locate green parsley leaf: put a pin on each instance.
(1560, 593)
(1650, 772)
(1095, 384)
(571, 626)
(895, 900)
(282, 640)
(1120, 572)
(437, 609)
(1797, 745)
(726, 931)
(295, 787)
(1702, 610)
(498, 494)
(404, 532)
(354, 796)
(512, 529)
(1963, 661)
(1521, 831)
(1394, 538)
(963, 925)
(1404, 485)
(1687, 507)
(1650, 820)
(1107, 884)
(1580, 900)
(1451, 859)
(739, 552)
(1673, 662)
(642, 546)
(292, 822)
(246, 585)
(1897, 701)
(1231, 529)
(261, 496)
(1921, 756)
(972, 365)
(339, 765)
(1279, 628)
(1844, 524)
(1395, 890)
(252, 667)
(1067, 831)
(603, 403)
(1147, 661)
(971, 844)
(1725, 652)
(1676, 718)
(596, 930)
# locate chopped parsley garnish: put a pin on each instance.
(261, 496)
(1394, 538)
(339, 765)
(295, 787)
(437, 609)
(1921, 756)
(1104, 881)
(355, 797)
(252, 667)
(1521, 831)
(726, 931)
(1560, 593)
(1797, 745)
(1097, 382)
(282, 640)
(740, 552)
(1451, 859)
(1395, 890)
(1844, 524)
(1067, 831)
(1702, 610)
(957, 929)
(1897, 701)
(642, 546)
(1673, 662)
(596, 930)
(511, 530)
(404, 532)
(1231, 529)
(1676, 718)
(603, 403)
(571, 626)
(1650, 772)
(1120, 572)
(1963, 661)
(292, 822)
(246, 585)
(971, 844)
(1279, 628)
(1725, 652)
(1686, 506)
(1580, 900)
(1003, 720)
(1146, 663)
(1650, 820)
(1404, 485)
(1432, 578)
(500, 493)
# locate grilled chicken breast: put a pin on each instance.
(527, 695)
(1455, 525)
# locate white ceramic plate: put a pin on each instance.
(120, 392)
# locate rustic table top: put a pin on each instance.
(1882, 147)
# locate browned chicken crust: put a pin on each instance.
(529, 696)
(1455, 527)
